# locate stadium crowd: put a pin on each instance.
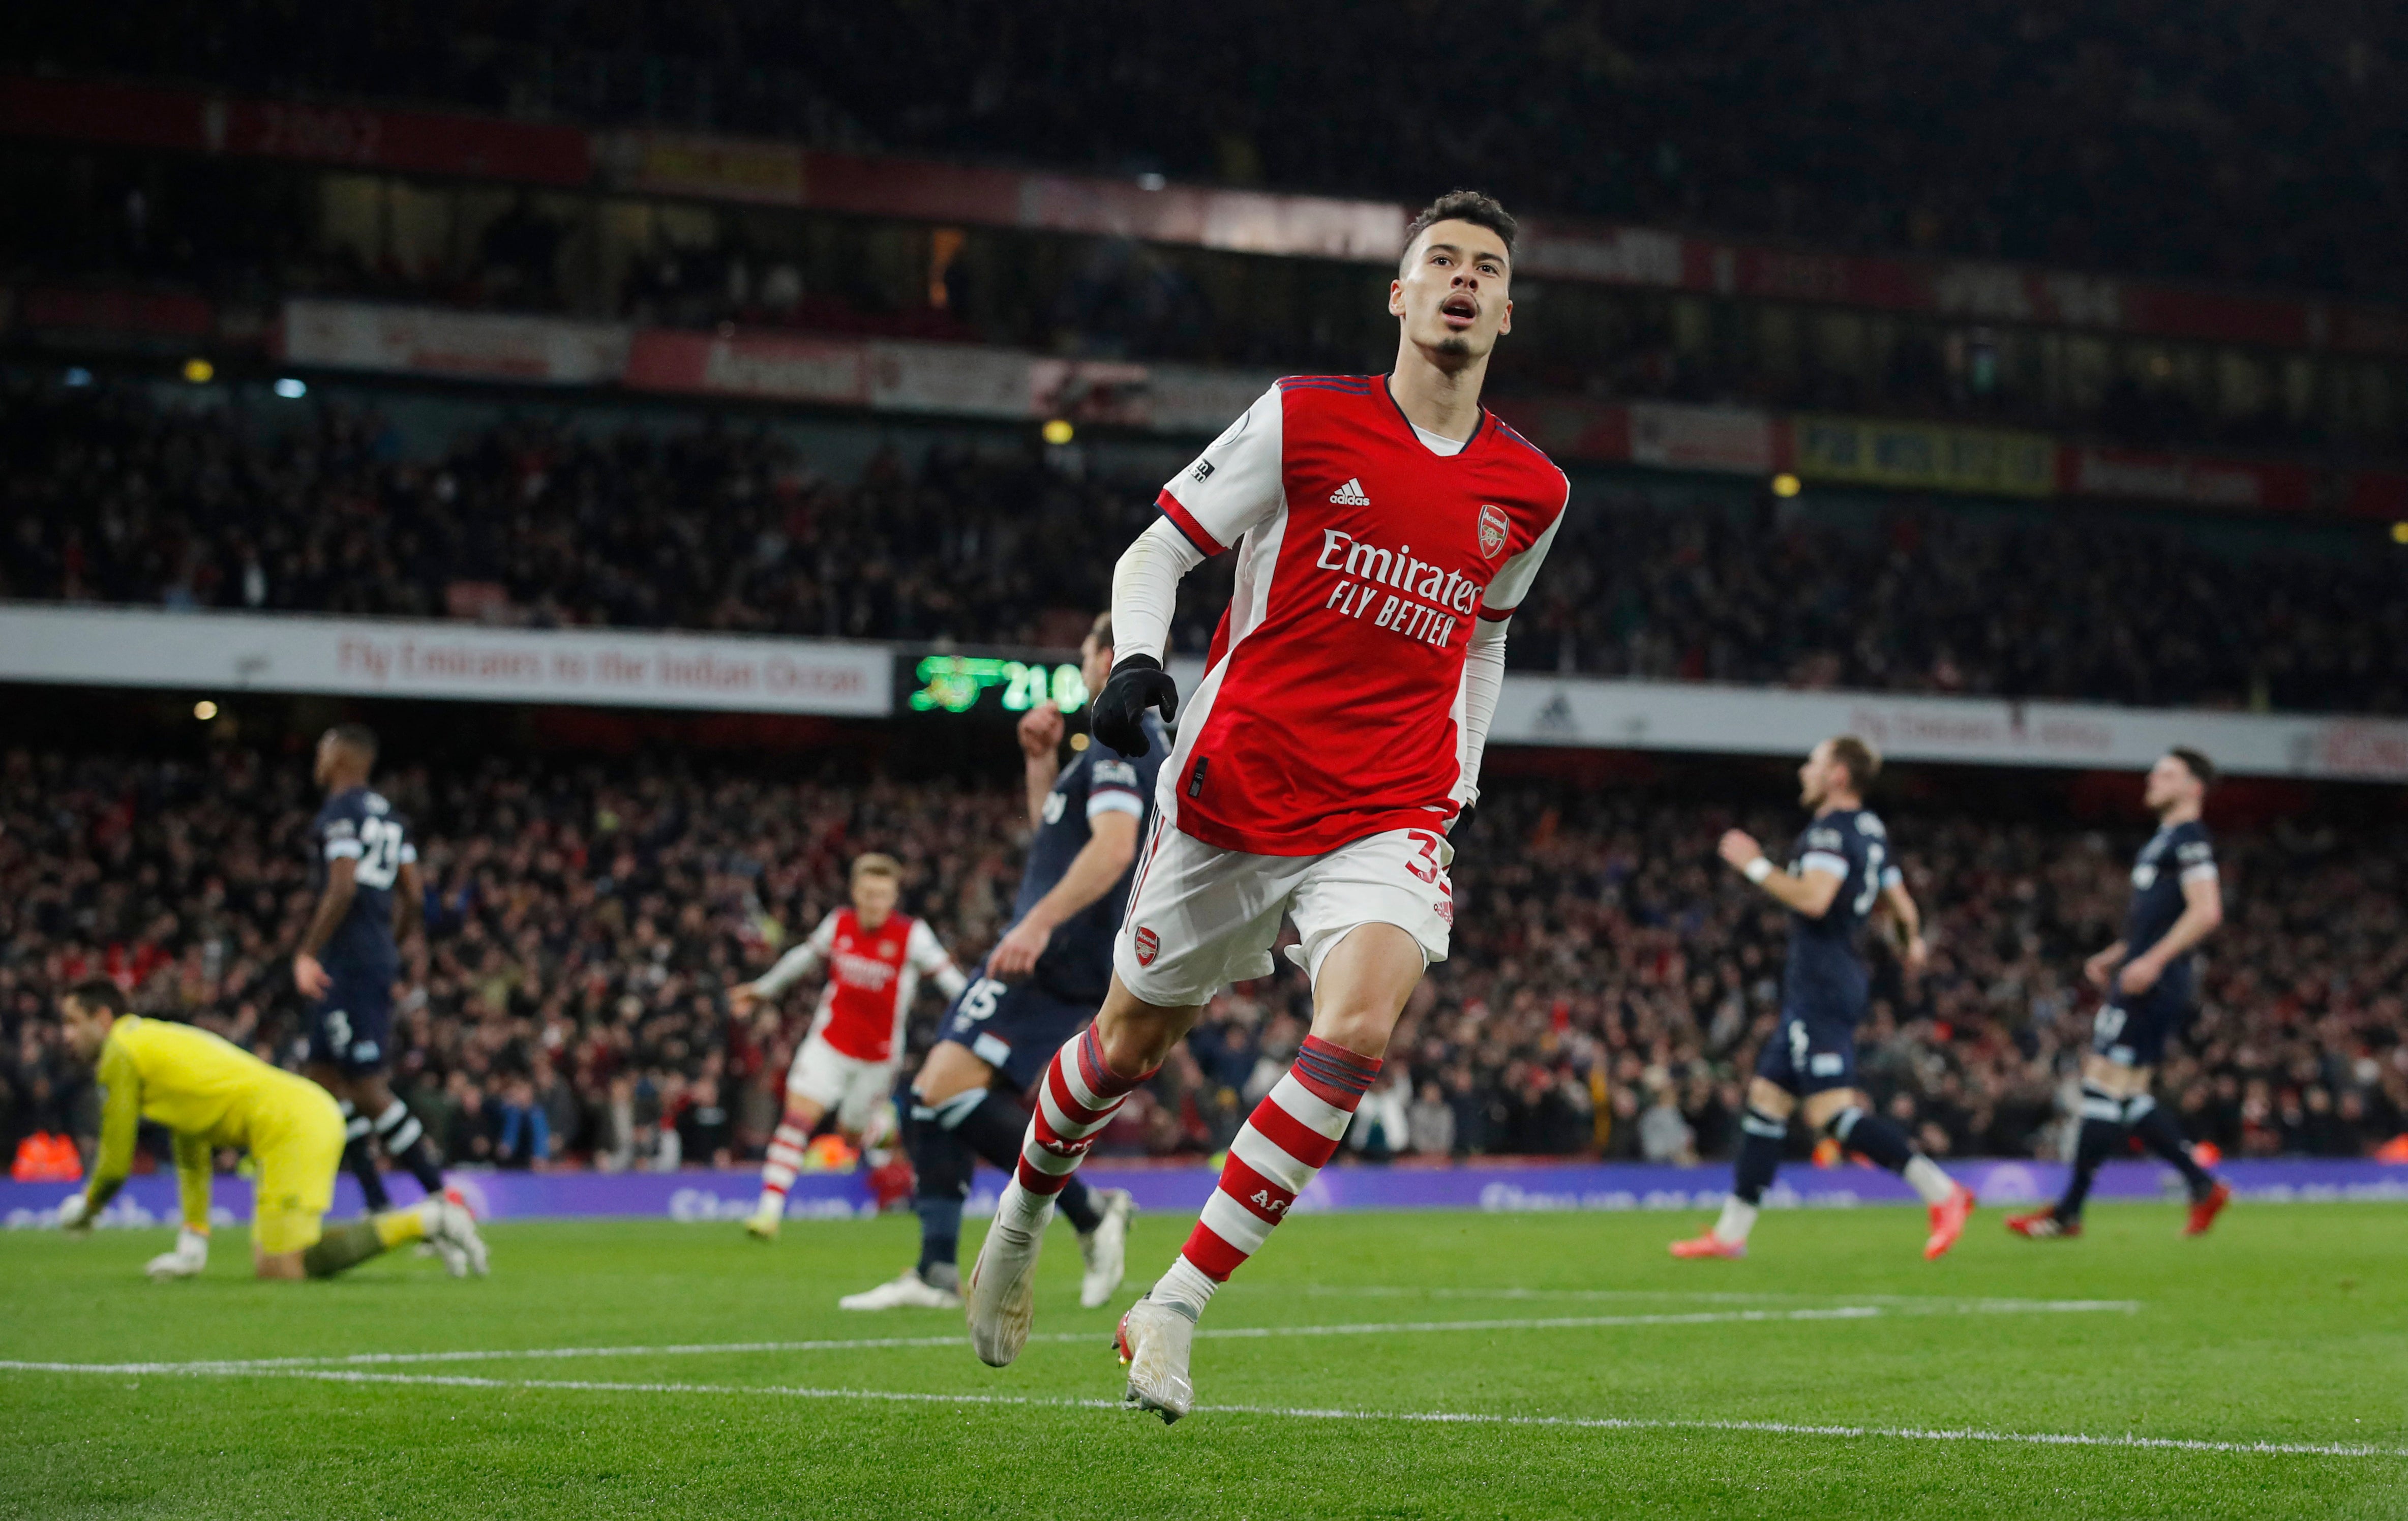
(108, 497)
(2242, 141)
(1607, 989)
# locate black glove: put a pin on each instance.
(1136, 684)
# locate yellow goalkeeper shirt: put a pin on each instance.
(209, 1091)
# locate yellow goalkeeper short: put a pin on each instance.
(298, 1163)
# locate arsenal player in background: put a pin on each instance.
(1385, 527)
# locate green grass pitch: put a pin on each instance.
(1833, 1373)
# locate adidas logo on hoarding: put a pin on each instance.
(1350, 494)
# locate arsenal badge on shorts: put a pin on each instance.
(1149, 946)
(1494, 526)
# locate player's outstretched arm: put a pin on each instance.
(790, 969)
(120, 1115)
(1810, 893)
(929, 957)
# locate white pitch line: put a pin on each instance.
(1435, 1418)
(1234, 1333)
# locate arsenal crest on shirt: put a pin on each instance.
(1494, 526)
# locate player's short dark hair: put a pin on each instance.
(2200, 767)
(357, 736)
(98, 994)
(1471, 206)
(1101, 631)
(1862, 760)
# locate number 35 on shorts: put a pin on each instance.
(1432, 855)
(980, 1001)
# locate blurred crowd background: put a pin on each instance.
(1607, 989)
(107, 496)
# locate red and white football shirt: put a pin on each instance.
(1331, 707)
(871, 976)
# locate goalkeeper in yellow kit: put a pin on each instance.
(213, 1094)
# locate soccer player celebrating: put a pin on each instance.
(2177, 901)
(1387, 526)
(368, 901)
(1840, 868)
(212, 1094)
(875, 959)
(1039, 989)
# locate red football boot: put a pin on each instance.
(1948, 1219)
(2203, 1212)
(1709, 1245)
(2042, 1226)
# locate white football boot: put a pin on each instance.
(453, 1231)
(1153, 1341)
(1106, 1249)
(909, 1292)
(1001, 1294)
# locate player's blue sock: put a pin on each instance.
(404, 1140)
(2160, 1134)
(941, 1167)
(995, 1127)
(1761, 1138)
(1872, 1136)
(362, 1163)
(2103, 1131)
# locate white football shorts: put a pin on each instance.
(846, 1086)
(1200, 917)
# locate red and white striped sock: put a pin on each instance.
(783, 1160)
(1287, 1139)
(1078, 1098)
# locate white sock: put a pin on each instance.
(1185, 1285)
(1925, 1174)
(1739, 1218)
(1019, 1207)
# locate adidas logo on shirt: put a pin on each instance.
(1351, 494)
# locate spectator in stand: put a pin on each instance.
(1430, 1123)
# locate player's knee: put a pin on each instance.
(1135, 1040)
(1771, 1098)
(1361, 1027)
(950, 1072)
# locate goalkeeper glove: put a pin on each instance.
(1136, 684)
(191, 1255)
(75, 1213)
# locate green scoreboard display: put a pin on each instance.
(964, 683)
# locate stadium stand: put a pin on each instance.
(2244, 141)
(110, 498)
